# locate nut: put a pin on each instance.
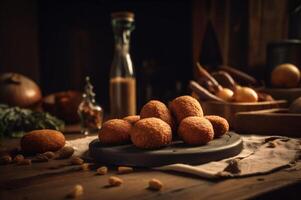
(18, 158)
(6, 159)
(86, 166)
(77, 191)
(102, 170)
(155, 184)
(115, 181)
(125, 170)
(65, 152)
(24, 162)
(77, 161)
(40, 158)
(49, 154)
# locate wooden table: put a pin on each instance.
(38, 181)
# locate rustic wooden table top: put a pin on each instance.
(39, 181)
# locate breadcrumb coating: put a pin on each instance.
(196, 130)
(151, 133)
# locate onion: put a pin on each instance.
(18, 90)
(245, 94)
(225, 94)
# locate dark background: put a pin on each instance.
(58, 43)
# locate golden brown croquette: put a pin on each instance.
(132, 119)
(185, 106)
(196, 130)
(115, 131)
(151, 133)
(159, 110)
(220, 125)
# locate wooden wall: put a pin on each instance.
(57, 43)
(242, 28)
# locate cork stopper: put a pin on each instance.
(125, 15)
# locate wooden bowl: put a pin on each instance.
(269, 122)
(228, 110)
(289, 94)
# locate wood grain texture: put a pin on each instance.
(39, 182)
(228, 110)
(267, 22)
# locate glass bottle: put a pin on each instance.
(122, 78)
(91, 114)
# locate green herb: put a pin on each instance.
(14, 121)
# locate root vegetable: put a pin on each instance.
(223, 93)
(285, 75)
(202, 93)
(244, 95)
(239, 76)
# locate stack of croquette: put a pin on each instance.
(157, 125)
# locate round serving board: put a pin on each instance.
(178, 152)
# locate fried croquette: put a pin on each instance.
(159, 110)
(185, 106)
(115, 131)
(220, 125)
(151, 133)
(196, 130)
(132, 119)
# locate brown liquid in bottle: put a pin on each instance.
(122, 96)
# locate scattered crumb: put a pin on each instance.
(49, 154)
(18, 158)
(115, 181)
(86, 166)
(6, 159)
(24, 162)
(102, 170)
(77, 191)
(65, 152)
(125, 170)
(77, 161)
(155, 184)
(40, 158)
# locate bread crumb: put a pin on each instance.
(125, 170)
(18, 158)
(115, 181)
(49, 154)
(86, 166)
(65, 152)
(40, 158)
(102, 170)
(77, 191)
(155, 184)
(77, 161)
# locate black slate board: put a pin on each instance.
(220, 148)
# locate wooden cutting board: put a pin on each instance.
(269, 122)
(227, 146)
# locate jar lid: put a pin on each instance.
(125, 15)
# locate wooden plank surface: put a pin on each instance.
(38, 181)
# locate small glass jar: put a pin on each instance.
(91, 114)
